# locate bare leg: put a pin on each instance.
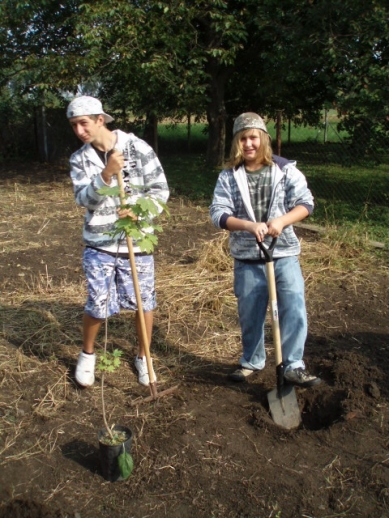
(148, 316)
(91, 327)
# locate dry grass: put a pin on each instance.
(196, 304)
(197, 307)
(40, 321)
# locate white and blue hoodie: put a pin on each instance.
(232, 198)
(142, 173)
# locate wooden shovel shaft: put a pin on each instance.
(134, 272)
(274, 309)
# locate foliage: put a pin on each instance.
(126, 464)
(144, 209)
(174, 59)
(109, 361)
(29, 54)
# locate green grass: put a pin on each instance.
(189, 176)
(173, 138)
(308, 133)
(347, 192)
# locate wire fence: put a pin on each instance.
(347, 173)
(349, 176)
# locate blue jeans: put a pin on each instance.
(250, 286)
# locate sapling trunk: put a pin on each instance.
(103, 408)
(103, 373)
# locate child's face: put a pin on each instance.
(250, 142)
(86, 128)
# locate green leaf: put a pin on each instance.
(148, 205)
(126, 464)
(164, 207)
(135, 234)
(146, 245)
(109, 361)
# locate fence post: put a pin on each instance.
(289, 129)
(44, 134)
(189, 128)
(325, 125)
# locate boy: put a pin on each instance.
(255, 198)
(103, 156)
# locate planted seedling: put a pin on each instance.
(138, 227)
(109, 362)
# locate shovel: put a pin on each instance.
(282, 400)
(153, 385)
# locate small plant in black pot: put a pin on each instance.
(114, 441)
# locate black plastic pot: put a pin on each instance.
(109, 453)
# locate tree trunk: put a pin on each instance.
(151, 131)
(279, 128)
(217, 135)
(216, 115)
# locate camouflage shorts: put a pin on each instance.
(104, 271)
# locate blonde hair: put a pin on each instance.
(265, 151)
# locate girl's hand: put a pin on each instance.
(275, 227)
(259, 230)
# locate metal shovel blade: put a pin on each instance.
(284, 408)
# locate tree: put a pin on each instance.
(165, 58)
(359, 50)
(171, 58)
(39, 43)
(37, 53)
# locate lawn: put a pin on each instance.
(348, 192)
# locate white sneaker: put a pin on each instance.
(85, 370)
(141, 367)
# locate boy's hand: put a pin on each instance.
(114, 166)
(123, 213)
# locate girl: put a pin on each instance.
(257, 198)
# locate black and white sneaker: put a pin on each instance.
(301, 378)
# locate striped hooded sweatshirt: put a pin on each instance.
(142, 173)
(232, 198)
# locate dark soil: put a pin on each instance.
(210, 448)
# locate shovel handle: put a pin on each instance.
(134, 272)
(271, 284)
(268, 252)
